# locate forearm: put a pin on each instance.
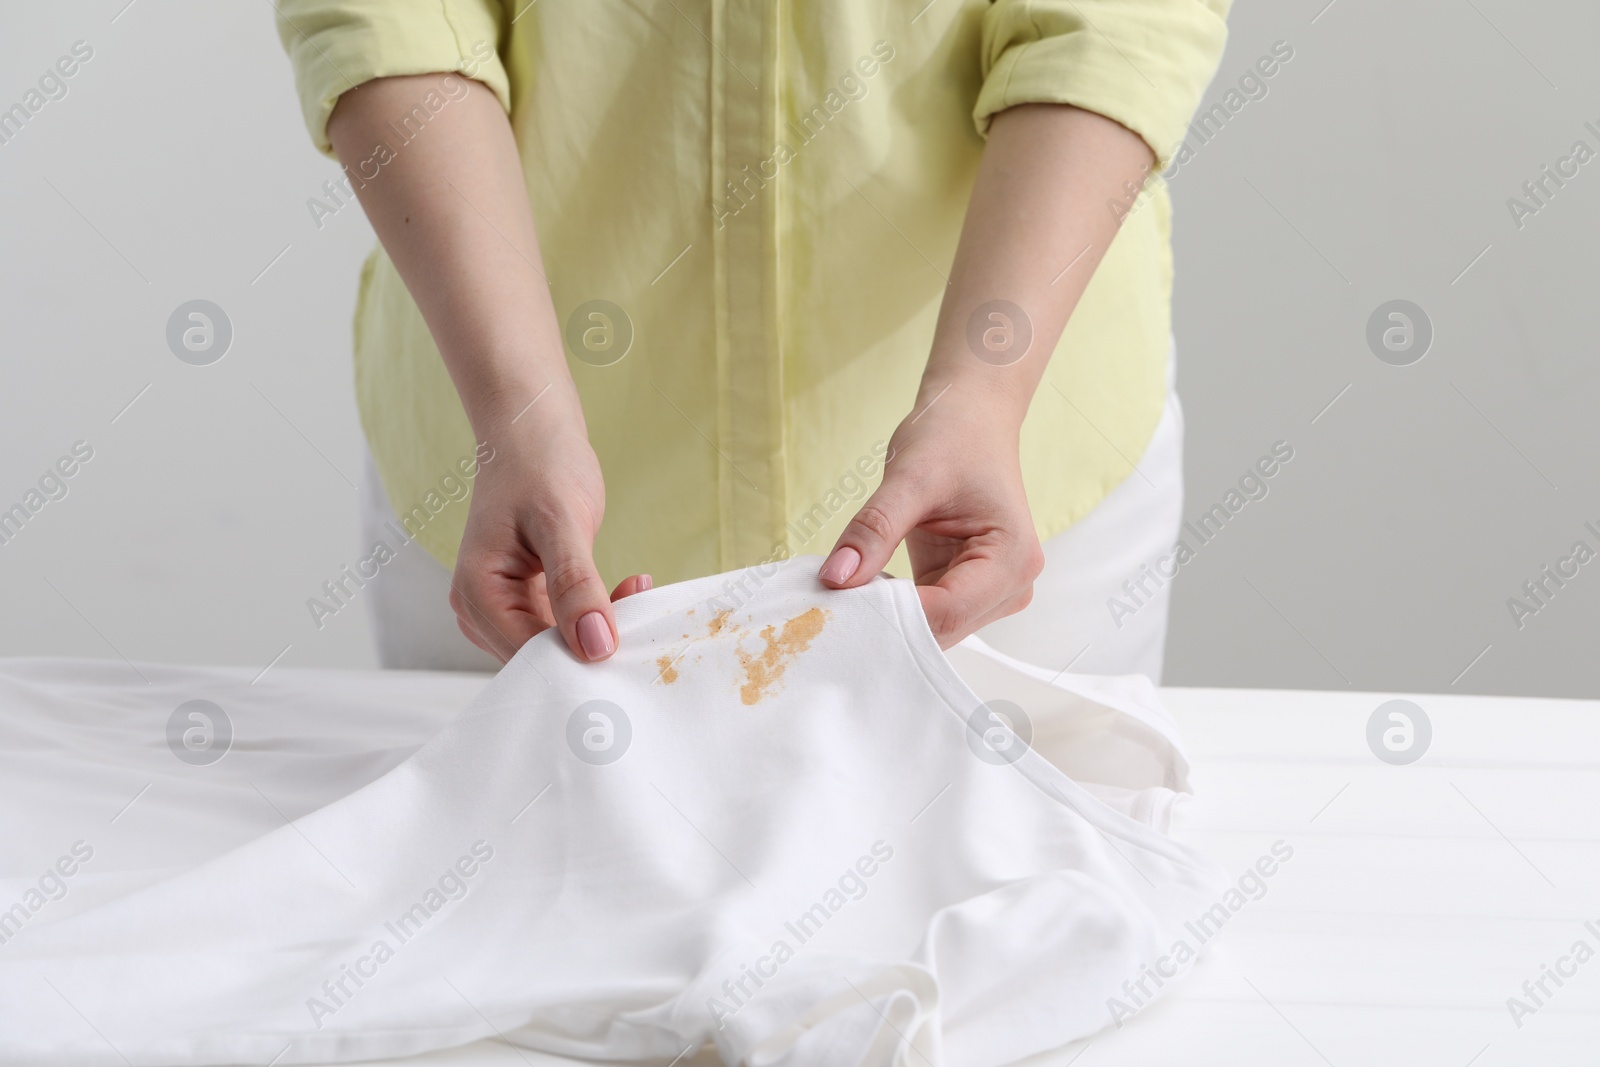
(1037, 226)
(452, 211)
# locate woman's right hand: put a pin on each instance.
(527, 558)
(452, 211)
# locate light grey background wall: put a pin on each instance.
(1377, 166)
(176, 168)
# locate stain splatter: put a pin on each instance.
(720, 625)
(765, 669)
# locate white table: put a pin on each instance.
(1417, 900)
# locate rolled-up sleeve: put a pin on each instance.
(1142, 63)
(335, 45)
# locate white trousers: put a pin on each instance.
(1069, 624)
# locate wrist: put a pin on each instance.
(516, 412)
(998, 396)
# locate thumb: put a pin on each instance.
(578, 597)
(871, 537)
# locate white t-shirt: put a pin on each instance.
(780, 819)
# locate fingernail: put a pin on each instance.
(646, 582)
(595, 636)
(840, 566)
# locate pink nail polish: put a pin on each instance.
(646, 582)
(595, 636)
(840, 566)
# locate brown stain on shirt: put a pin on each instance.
(666, 664)
(765, 669)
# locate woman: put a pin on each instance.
(766, 234)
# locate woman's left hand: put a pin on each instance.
(952, 490)
(1035, 230)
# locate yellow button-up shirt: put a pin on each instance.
(748, 209)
